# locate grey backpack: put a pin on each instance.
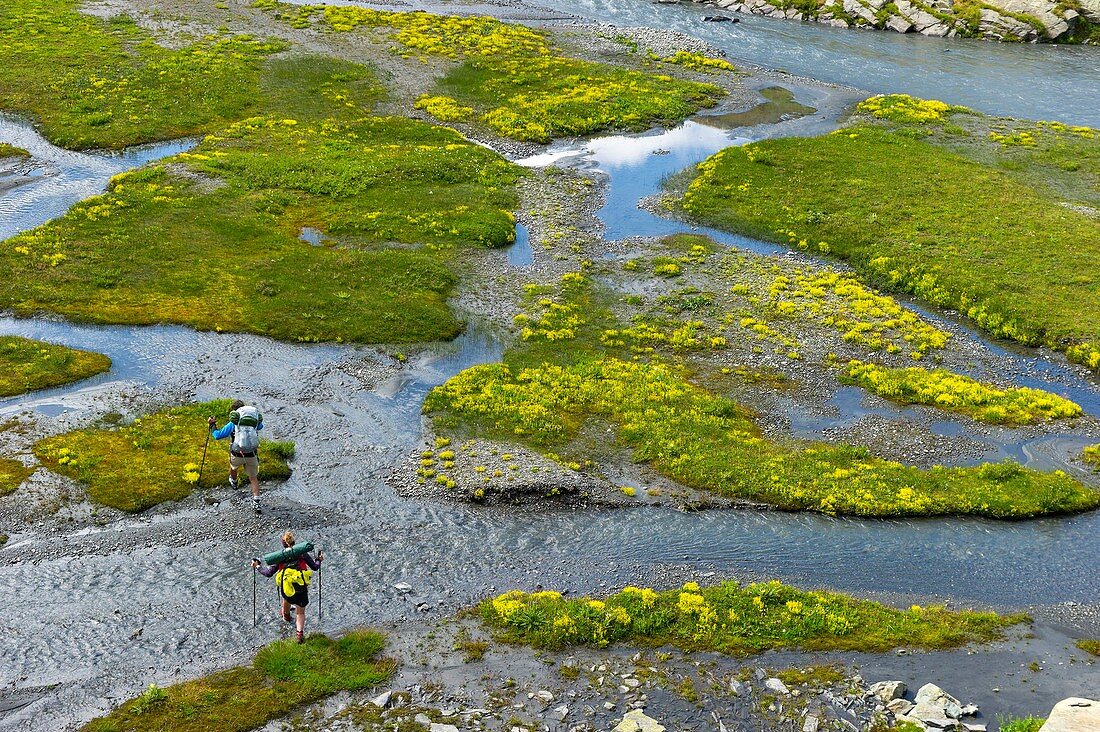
(246, 434)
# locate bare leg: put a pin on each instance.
(255, 486)
(301, 619)
(286, 611)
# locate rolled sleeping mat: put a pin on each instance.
(289, 554)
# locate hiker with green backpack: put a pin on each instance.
(293, 570)
(244, 425)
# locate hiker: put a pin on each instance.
(244, 425)
(293, 580)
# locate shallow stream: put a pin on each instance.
(103, 610)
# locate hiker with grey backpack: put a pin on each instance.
(244, 425)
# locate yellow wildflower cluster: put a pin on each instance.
(444, 109)
(946, 390)
(699, 62)
(1091, 455)
(707, 441)
(1085, 354)
(904, 108)
(733, 619)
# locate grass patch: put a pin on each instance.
(819, 676)
(154, 459)
(1088, 645)
(27, 365)
(12, 475)
(227, 215)
(91, 82)
(11, 151)
(946, 390)
(283, 676)
(1091, 456)
(918, 217)
(733, 619)
(1020, 724)
(538, 99)
(572, 367)
(512, 79)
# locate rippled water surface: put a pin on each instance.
(1031, 81)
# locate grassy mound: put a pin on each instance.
(946, 390)
(1089, 646)
(515, 82)
(924, 205)
(283, 676)
(91, 82)
(209, 238)
(579, 365)
(11, 151)
(12, 475)
(154, 459)
(733, 619)
(27, 365)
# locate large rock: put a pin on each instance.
(776, 686)
(860, 10)
(992, 24)
(636, 721)
(889, 690)
(1091, 10)
(935, 708)
(1073, 715)
(899, 24)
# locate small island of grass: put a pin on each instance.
(29, 365)
(11, 151)
(12, 475)
(154, 459)
(283, 676)
(734, 619)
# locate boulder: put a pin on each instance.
(992, 24)
(898, 24)
(637, 721)
(1091, 10)
(898, 707)
(437, 727)
(889, 690)
(1073, 715)
(776, 686)
(382, 700)
(859, 9)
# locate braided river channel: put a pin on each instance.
(96, 610)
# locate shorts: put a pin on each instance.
(251, 465)
(299, 598)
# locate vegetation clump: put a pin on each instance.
(228, 215)
(1089, 645)
(154, 459)
(11, 151)
(699, 62)
(91, 82)
(953, 392)
(1020, 724)
(27, 365)
(1091, 455)
(734, 619)
(12, 475)
(709, 442)
(915, 210)
(515, 82)
(283, 676)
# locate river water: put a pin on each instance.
(1038, 81)
(104, 610)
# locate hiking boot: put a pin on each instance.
(232, 482)
(256, 504)
(300, 636)
(286, 616)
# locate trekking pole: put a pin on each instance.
(253, 597)
(320, 607)
(203, 463)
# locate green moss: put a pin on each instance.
(27, 365)
(918, 217)
(1088, 645)
(1020, 724)
(11, 151)
(227, 216)
(12, 475)
(946, 390)
(283, 676)
(733, 619)
(1091, 456)
(820, 676)
(573, 368)
(154, 459)
(518, 84)
(104, 83)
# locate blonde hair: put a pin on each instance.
(288, 539)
